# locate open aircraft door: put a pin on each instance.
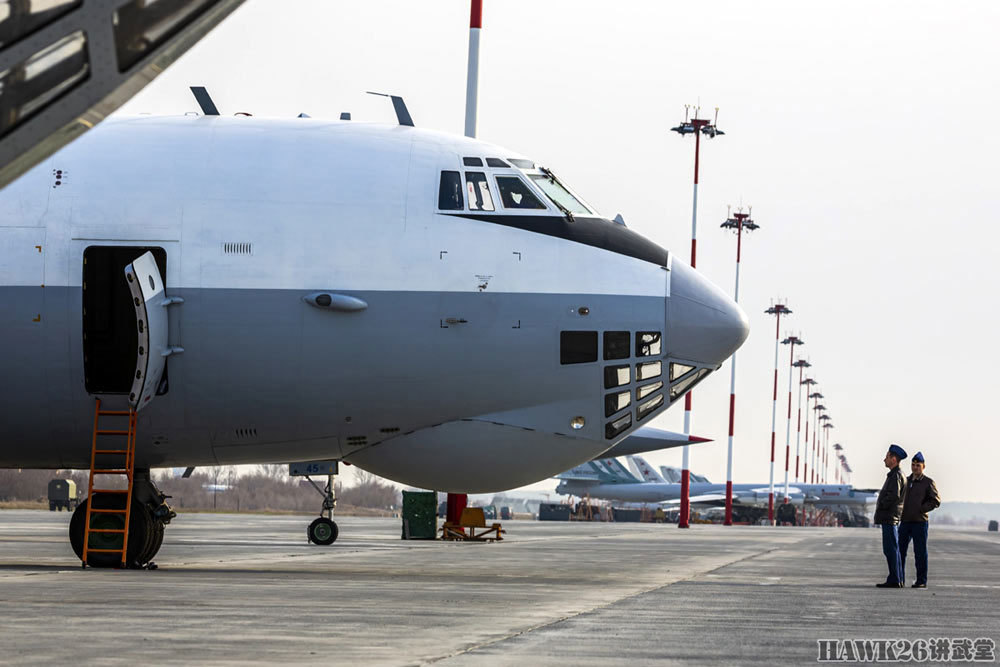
(146, 287)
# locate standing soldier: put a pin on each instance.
(888, 509)
(921, 497)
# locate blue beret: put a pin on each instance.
(897, 451)
(918, 457)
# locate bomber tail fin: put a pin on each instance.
(602, 471)
(643, 470)
(671, 474)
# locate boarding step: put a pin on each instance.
(93, 493)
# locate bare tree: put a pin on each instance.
(277, 471)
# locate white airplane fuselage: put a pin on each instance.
(331, 309)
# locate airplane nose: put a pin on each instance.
(703, 323)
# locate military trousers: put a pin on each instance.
(916, 531)
(890, 547)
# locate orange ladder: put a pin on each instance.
(127, 470)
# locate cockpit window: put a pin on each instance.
(514, 193)
(559, 195)
(479, 191)
(450, 192)
(472, 162)
(521, 163)
(496, 162)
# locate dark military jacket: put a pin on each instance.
(889, 506)
(921, 497)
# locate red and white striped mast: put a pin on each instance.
(472, 81)
(801, 364)
(818, 460)
(697, 127)
(815, 396)
(827, 425)
(458, 501)
(808, 383)
(791, 341)
(777, 310)
(739, 222)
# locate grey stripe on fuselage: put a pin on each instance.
(267, 377)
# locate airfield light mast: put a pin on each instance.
(840, 461)
(458, 501)
(738, 222)
(827, 425)
(472, 82)
(808, 383)
(815, 396)
(697, 127)
(791, 341)
(818, 409)
(801, 364)
(777, 310)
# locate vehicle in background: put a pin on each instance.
(63, 494)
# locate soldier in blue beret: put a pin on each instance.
(888, 509)
(921, 497)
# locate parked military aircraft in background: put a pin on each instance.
(608, 479)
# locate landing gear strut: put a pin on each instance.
(322, 531)
(150, 513)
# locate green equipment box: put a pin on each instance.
(419, 515)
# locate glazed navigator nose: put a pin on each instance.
(703, 323)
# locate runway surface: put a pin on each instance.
(248, 588)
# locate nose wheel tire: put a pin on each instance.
(141, 533)
(322, 531)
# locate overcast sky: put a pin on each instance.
(863, 135)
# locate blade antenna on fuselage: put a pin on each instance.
(399, 106)
(204, 101)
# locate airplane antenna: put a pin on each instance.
(204, 101)
(399, 106)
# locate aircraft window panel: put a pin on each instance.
(496, 162)
(617, 426)
(521, 163)
(679, 370)
(646, 390)
(648, 370)
(141, 26)
(514, 193)
(617, 376)
(617, 402)
(22, 19)
(577, 347)
(472, 161)
(450, 192)
(478, 189)
(647, 408)
(647, 343)
(616, 344)
(687, 383)
(32, 84)
(555, 191)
